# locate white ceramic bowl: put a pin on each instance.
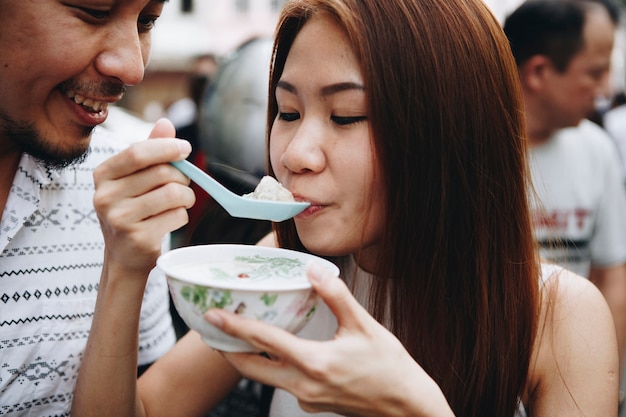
(268, 284)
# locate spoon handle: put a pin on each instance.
(204, 180)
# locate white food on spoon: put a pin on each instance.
(270, 189)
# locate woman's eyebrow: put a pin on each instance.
(287, 86)
(339, 87)
(325, 91)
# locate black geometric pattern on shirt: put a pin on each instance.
(149, 319)
(35, 319)
(48, 293)
(44, 337)
(65, 398)
(13, 218)
(10, 222)
(40, 371)
(30, 177)
(104, 150)
(152, 317)
(147, 346)
(29, 271)
(60, 215)
(24, 194)
(69, 186)
(34, 374)
(52, 249)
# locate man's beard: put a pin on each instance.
(28, 139)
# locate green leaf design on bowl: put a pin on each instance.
(205, 298)
(269, 299)
(310, 313)
(195, 295)
(259, 267)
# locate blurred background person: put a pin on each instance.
(614, 121)
(563, 51)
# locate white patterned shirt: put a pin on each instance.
(51, 255)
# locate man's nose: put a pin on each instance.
(124, 56)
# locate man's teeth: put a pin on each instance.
(95, 106)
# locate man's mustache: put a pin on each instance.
(94, 89)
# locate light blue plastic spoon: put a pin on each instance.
(236, 205)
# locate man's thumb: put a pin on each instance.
(163, 128)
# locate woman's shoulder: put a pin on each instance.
(574, 366)
(566, 292)
(268, 240)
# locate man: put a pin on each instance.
(62, 64)
(563, 51)
(614, 122)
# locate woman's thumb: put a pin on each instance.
(335, 294)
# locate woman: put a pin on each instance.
(400, 121)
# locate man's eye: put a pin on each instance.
(347, 120)
(96, 14)
(288, 117)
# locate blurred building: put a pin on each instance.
(193, 27)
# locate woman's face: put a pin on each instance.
(320, 146)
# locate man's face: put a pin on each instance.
(570, 96)
(62, 63)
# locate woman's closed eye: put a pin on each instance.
(289, 117)
(340, 120)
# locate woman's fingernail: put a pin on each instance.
(215, 319)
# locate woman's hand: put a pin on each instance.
(363, 371)
(140, 197)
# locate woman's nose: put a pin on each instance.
(305, 150)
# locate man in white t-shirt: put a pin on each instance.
(615, 124)
(61, 66)
(580, 216)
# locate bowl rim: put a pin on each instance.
(242, 286)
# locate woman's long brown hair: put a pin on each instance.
(445, 113)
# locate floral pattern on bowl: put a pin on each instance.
(257, 267)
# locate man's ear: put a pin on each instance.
(534, 72)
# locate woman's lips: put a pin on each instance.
(312, 209)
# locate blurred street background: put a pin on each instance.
(193, 36)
